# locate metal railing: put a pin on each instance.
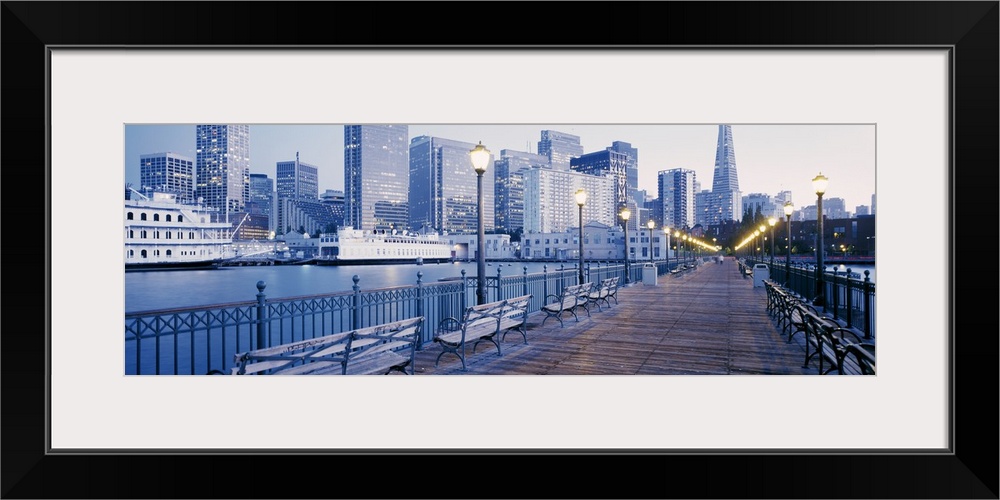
(200, 340)
(847, 298)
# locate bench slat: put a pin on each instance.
(373, 349)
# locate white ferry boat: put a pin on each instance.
(355, 246)
(161, 233)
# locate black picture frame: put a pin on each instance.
(970, 28)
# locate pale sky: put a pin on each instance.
(769, 158)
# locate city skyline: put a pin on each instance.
(769, 158)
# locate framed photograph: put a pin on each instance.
(923, 73)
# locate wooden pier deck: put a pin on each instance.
(710, 321)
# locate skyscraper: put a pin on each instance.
(167, 173)
(607, 162)
(222, 164)
(677, 193)
(376, 176)
(724, 178)
(261, 200)
(509, 186)
(631, 167)
(725, 204)
(559, 147)
(549, 204)
(443, 190)
(296, 181)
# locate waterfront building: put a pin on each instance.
(606, 163)
(549, 204)
(300, 245)
(376, 176)
(443, 191)
(631, 167)
(559, 148)
(497, 247)
(676, 189)
(725, 202)
(600, 242)
(167, 173)
(261, 201)
(222, 166)
(508, 190)
(861, 210)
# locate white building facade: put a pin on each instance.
(550, 205)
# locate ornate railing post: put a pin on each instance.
(822, 274)
(525, 288)
(587, 278)
(465, 289)
(261, 316)
(868, 304)
(499, 295)
(545, 282)
(356, 304)
(847, 299)
(420, 305)
(836, 295)
(562, 273)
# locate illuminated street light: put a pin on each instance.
(625, 215)
(788, 248)
(650, 224)
(480, 157)
(819, 185)
(581, 199)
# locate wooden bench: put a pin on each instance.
(514, 317)
(379, 349)
(572, 296)
(480, 322)
(603, 293)
(829, 343)
(863, 355)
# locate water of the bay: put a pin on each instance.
(150, 290)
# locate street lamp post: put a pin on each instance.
(677, 252)
(788, 248)
(480, 157)
(772, 221)
(650, 224)
(754, 243)
(819, 184)
(761, 241)
(581, 198)
(666, 246)
(625, 215)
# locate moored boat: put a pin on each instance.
(164, 234)
(355, 246)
